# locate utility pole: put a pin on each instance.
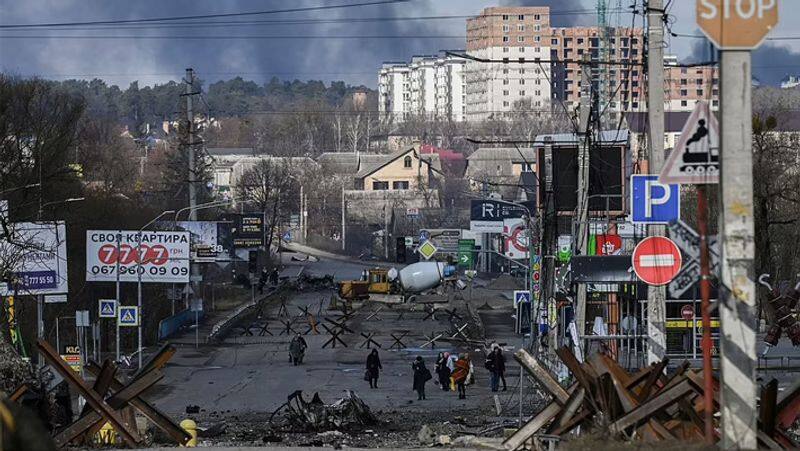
(584, 137)
(548, 239)
(189, 93)
(656, 296)
(344, 221)
(737, 306)
(194, 270)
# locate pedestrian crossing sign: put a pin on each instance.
(108, 308)
(128, 316)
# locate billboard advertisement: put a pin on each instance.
(37, 252)
(211, 241)
(164, 256)
(249, 230)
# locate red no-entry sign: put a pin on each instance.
(656, 260)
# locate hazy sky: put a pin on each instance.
(285, 50)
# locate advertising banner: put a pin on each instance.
(211, 241)
(37, 253)
(164, 256)
(249, 230)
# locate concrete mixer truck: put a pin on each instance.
(393, 285)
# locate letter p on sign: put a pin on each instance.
(737, 24)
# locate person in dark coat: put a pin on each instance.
(297, 349)
(421, 375)
(500, 365)
(373, 368)
(442, 371)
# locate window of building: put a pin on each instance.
(522, 81)
(698, 81)
(537, 17)
(505, 38)
(524, 167)
(505, 71)
(506, 28)
(380, 186)
(700, 93)
(505, 92)
(505, 49)
(715, 103)
(684, 103)
(520, 38)
(521, 71)
(554, 41)
(505, 81)
(684, 82)
(580, 41)
(633, 104)
(684, 92)
(538, 103)
(521, 17)
(505, 16)
(715, 92)
(520, 27)
(505, 103)
(537, 27)
(522, 93)
(538, 92)
(407, 162)
(634, 41)
(537, 39)
(522, 50)
(403, 184)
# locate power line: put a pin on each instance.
(700, 36)
(226, 37)
(346, 20)
(201, 16)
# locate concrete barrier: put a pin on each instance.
(171, 325)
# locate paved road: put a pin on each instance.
(253, 373)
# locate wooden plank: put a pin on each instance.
(569, 410)
(129, 435)
(158, 360)
(576, 420)
(118, 401)
(620, 380)
(768, 442)
(161, 420)
(767, 410)
(102, 386)
(18, 392)
(654, 405)
(647, 387)
(661, 430)
(542, 375)
(788, 406)
(532, 427)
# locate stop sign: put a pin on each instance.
(737, 24)
(656, 260)
(687, 312)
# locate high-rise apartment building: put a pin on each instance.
(428, 86)
(495, 89)
(496, 83)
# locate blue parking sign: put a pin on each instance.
(653, 202)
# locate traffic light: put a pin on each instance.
(400, 249)
(252, 262)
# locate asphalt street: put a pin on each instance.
(253, 373)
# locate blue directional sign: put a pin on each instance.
(521, 296)
(108, 308)
(653, 202)
(287, 236)
(424, 236)
(128, 315)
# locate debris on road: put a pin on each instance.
(349, 412)
(646, 405)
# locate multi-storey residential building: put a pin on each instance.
(394, 90)
(495, 89)
(428, 86)
(549, 75)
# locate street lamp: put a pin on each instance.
(139, 278)
(57, 202)
(40, 297)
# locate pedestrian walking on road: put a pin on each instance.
(442, 371)
(297, 349)
(461, 375)
(421, 375)
(500, 365)
(373, 368)
(489, 364)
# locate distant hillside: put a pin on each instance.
(236, 97)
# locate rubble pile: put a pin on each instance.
(349, 412)
(644, 406)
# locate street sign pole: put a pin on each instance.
(705, 308)
(736, 28)
(738, 312)
(119, 301)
